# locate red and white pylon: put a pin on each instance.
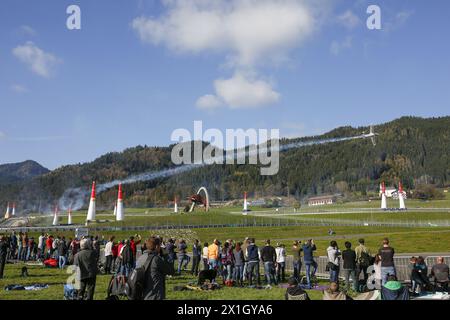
(401, 196)
(7, 215)
(383, 196)
(120, 214)
(91, 210)
(175, 207)
(55, 216)
(69, 216)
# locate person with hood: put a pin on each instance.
(294, 291)
(394, 290)
(157, 268)
(334, 258)
(86, 262)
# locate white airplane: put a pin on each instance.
(370, 135)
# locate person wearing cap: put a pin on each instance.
(294, 291)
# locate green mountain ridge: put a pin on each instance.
(411, 149)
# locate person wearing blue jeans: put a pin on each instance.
(253, 262)
(269, 258)
(62, 262)
(308, 257)
(387, 261)
(334, 261)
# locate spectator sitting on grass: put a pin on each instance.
(294, 291)
(394, 290)
(440, 273)
(333, 293)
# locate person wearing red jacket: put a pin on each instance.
(115, 253)
(49, 245)
(133, 244)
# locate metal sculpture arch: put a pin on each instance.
(206, 202)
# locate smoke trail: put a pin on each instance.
(75, 197)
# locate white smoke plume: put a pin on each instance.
(74, 198)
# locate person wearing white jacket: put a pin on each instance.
(281, 262)
(109, 255)
(334, 257)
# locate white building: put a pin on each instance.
(321, 201)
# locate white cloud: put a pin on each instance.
(242, 91)
(27, 31)
(349, 20)
(18, 88)
(208, 102)
(248, 34)
(248, 31)
(40, 62)
(337, 46)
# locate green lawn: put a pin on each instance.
(56, 279)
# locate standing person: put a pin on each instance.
(49, 246)
(96, 247)
(170, 248)
(377, 269)
(308, 258)
(126, 258)
(183, 258)
(205, 256)
(253, 262)
(115, 254)
(41, 246)
(86, 262)
(30, 249)
(387, 261)
(363, 259)
(196, 254)
(62, 251)
(13, 245)
(109, 255)
(134, 241)
(157, 267)
(297, 260)
(334, 261)
(3, 253)
(227, 262)
(213, 254)
(19, 245)
(238, 257)
(281, 262)
(269, 258)
(349, 267)
(244, 249)
(24, 247)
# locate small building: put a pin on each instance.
(322, 200)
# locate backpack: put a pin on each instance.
(134, 288)
(364, 260)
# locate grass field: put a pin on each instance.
(56, 279)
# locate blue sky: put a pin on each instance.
(137, 70)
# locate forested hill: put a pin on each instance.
(412, 149)
(14, 172)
